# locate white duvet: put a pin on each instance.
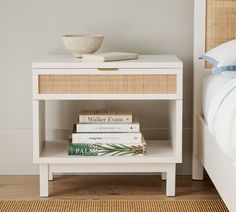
(219, 109)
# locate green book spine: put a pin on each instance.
(87, 149)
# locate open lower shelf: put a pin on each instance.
(157, 152)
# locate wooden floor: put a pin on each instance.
(105, 187)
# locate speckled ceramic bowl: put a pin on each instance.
(82, 44)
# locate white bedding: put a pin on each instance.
(219, 110)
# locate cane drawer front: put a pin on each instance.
(107, 84)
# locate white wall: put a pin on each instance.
(29, 29)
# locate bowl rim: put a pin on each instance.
(83, 35)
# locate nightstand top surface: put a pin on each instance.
(144, 61)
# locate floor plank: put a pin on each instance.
(105, 187)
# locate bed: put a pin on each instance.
(214, 120)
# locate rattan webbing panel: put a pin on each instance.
(220, 22)
(107, 84)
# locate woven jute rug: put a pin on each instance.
(112, 205)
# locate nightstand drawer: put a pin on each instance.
(107, 84)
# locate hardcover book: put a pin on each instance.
(85, 149)
(109, 56)
(118, 138)
(113, 128)
(105, 116)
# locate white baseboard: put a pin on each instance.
(16, 152)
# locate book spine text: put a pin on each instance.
(122, 138)
(100, 119)
(85, 149)
(102, 128)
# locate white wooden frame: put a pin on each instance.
(52, 160)
(206, 152)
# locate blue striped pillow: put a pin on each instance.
(222, 57)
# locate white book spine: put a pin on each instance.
(103, 128)
(102, 119)
(118, 138)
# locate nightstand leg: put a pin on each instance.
(50, 177)
(50, 174)
(170, 181)
(43, 171)
(163, 176)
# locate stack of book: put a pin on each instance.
(106, 132)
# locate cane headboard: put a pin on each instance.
(220, 22)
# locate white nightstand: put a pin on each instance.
(151, 77)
